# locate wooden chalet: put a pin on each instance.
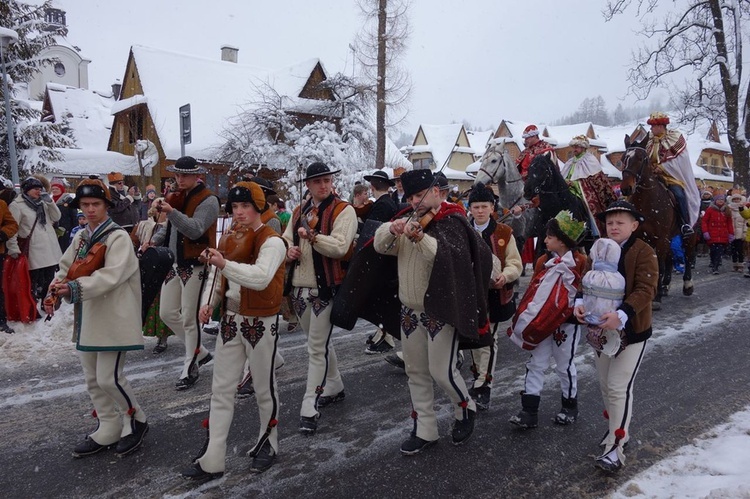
(157, 83)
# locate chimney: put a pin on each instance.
(116, 87)
(229, 53)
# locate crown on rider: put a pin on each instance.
(658, 118)
(570, 226)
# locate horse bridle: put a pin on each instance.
(639, 174)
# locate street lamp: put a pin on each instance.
(8, 36)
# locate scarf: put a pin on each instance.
(38, 206)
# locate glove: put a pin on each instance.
(46, 197)
(14, 255)
(706, 236)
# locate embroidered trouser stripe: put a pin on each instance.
(429, 358)
(560, 346)
(616, 379)
(323, 376)
(485, 360)
(228, 366)
(109, 388)
(178, 308)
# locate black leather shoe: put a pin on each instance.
(396, 361)
(246, 389)
(606, 464)
(196, 473)
(326, 400)
(160, 347)
(308, 425)
(481, 396)
(462, 429)
(414, 445)
(88, 448)
(205, 360)
(132, 442)
(263, 459)
(185, 383)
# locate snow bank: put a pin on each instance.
(39, 342)
(714, 465)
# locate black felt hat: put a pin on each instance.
(416, 181)
(380, 175)
(92, 188)
(318, 170)
(481, 194)
(442, 181)
(264, 184)
(187, 165)
(620, 205)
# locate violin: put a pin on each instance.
(236, 243)
(364, 210)
(309, 220)
(83, 267)
(176, 200)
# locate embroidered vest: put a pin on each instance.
(189, 250)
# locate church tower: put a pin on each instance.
(70, 67)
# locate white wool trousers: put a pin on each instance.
(560, 346)
(241, 339)
(323, 376)
(430, 353)
(178, 308)
(616, 380)
(485, 360)
(110, 389)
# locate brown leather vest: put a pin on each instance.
(189, 250)
(263, 303)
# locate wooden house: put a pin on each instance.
(157, 83)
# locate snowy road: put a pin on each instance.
(694, 377)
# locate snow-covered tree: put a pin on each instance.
(694, 48)
(268, 133)
(34, 139)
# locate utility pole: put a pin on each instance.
(380, 89)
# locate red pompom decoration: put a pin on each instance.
(131, 411)
(273, 423)
(605, 414)
(414, 414)
(463, 404)
(204, 423)
(93, 414)
(619, 433)
(197, 351)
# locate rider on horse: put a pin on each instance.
(669, 157)
(584, 175)
(533, 147)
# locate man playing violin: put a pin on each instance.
(107, 320)
(444, 271)
(250, 261)
(192, 212)
(320, 238)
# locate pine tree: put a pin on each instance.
(34, 139)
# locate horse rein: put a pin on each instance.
(639, 174)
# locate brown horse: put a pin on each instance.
(654, 201)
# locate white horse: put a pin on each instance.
(498, 167)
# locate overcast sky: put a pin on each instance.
(475, 60)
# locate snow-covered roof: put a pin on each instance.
(82, 162)
(86, 111)
(478, 140)
(452, 174)
(562, 134)
(441, 140)
(394, 158)
(215, 90)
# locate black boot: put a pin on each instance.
(462, 429)
(132, 442)
(529, 415)
(568, 412)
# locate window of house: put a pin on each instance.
(60, 69)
